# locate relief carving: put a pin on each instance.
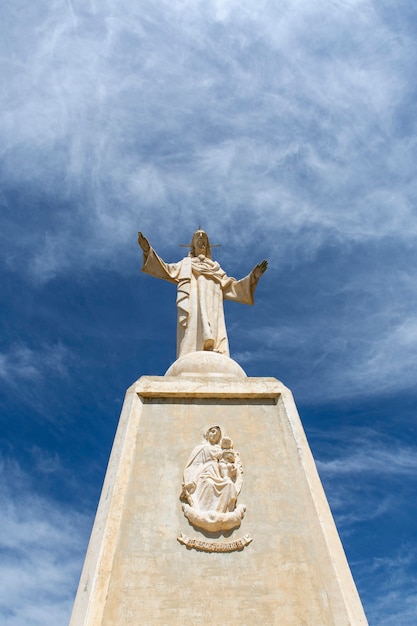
(212, 546)
(212, 481)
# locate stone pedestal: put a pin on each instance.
(284, 565)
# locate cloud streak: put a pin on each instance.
(398, 462)
(42, 546)
(22, 363)
(182, 109)
(393, 599)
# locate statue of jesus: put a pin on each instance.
(202, 286)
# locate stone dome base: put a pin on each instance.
(205, 363)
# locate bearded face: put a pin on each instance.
(200, 244)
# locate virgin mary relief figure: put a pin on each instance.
(212, 482)
(202, 286)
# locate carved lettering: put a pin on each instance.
(214, 546)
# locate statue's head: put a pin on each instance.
(226, 443)
(200, 244)
(214, 434)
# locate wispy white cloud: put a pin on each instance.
(369, 481)
(391, 361)
(362, 469)
(350, 510)
(42, 546)
(355, 334)
(390, 590)
(160, 114)
(398, 461)
(46, 462)
(22, 363)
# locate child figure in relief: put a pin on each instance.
(227, 465)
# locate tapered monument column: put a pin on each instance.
(147, 563)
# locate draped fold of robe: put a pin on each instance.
(212, 491)
(202, 286)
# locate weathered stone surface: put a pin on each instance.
(205, 363)
(138, 568)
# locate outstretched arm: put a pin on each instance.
(154, 265)
(259, 269)
(243, 290)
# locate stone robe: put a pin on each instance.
(212, 491)
(202, 286)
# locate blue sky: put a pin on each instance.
(288, 131)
